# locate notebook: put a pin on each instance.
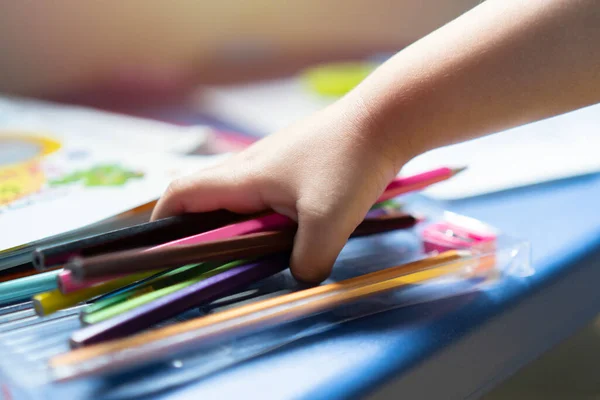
(63, 169)
(555, 148)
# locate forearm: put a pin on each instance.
(502, 64)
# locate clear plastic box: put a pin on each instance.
(28, 343)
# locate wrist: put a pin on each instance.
(380, 129)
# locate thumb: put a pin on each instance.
(318, 242)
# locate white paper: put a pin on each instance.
(555, 148)
(49, 204)
(85, 125)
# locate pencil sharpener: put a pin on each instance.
(455, 232)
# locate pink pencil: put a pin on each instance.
(417, 182)
(66, 283)
(277, 221)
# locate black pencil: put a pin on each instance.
(240, 247)
(142, 235)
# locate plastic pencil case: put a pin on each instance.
(30, 345)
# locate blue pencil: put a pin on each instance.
(22, 289)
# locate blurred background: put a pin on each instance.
(70, 45)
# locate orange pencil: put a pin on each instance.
(260, 315)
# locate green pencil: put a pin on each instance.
(147, 285)
(22, 289)
(163, 279)
(147, 293)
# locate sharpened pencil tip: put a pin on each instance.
(458, 170)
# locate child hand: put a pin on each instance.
(325, 173)
(498, 66)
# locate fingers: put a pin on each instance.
(318, 242)
(211, 189)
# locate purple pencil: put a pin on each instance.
(166, 307)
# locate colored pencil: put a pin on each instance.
(20, 271)
(134, 289)
(233, 248)
(261, 224)
(22, 289)
(140, 300)
(197, 294)
(49, 302)
(146, 234)
(172, 228)
(67, 284)
(272, 221)
(137, 295)
(185, 336)
(276, 221)
(417, 182)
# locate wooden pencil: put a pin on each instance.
(204, 330)
(51, 301)
(272, 222)
(21, 271)
(172, 228)
(202, 292)
(22, 289)
(146, 234)
(241, 247)
(136, 295)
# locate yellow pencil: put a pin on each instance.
(50, 302)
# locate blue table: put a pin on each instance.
(451, 349)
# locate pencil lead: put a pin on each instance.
(456, 171)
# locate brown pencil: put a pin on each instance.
(259, 315)
(235, 248)
(21, 272)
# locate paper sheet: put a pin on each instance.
(555, 148)
(64, 168)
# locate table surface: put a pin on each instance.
(455, 348)
(451, 348)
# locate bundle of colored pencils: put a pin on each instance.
(133, 278)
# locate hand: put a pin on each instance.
(325, 173)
